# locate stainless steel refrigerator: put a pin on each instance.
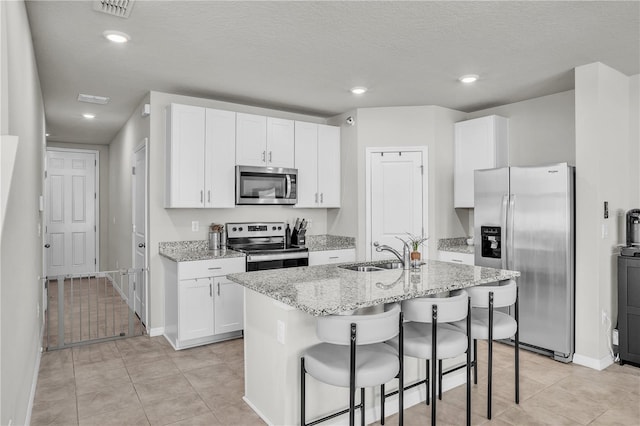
(524, 221)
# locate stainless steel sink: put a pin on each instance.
(390, 265)
(361, 268)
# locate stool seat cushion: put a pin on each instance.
(504, 325)
(417, 341)
(376, 364)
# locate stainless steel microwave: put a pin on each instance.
(266, 185)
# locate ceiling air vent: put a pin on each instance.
(93, 99)
(121, 8)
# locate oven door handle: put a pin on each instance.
(288, 194)
(253, 258)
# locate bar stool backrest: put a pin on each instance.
(450, 309)
(372, 328)
(504, 294)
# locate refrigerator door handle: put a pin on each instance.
(512, 214)
(503, 236)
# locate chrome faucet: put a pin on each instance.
(405, 258)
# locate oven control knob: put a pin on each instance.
(273, 228)
(240, 229)
(279, 228)
(234, 229)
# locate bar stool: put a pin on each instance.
(428, 336)
(489, 324)
(353, 354)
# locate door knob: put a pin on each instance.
(47, 245)
(141, 245)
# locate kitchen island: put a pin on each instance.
(280, 310)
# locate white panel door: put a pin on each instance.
(329, 165)
(70, 212)
(396, 199)
(139, 230)
(306, 161)
(251, 140)
(280, 142)
(220, 158)
(195, 308)
(229, 305)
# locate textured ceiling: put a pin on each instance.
(305, 56)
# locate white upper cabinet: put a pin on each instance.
(185, 160)
(264, 141)
(199, 157)
(317, 158)
(220, 137)
(251, 140)
(480, 143)
(280, 143)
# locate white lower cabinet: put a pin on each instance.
(228, 309)
(201, 304)
(331, 256)
(450, 256)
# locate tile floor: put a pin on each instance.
(142, 381)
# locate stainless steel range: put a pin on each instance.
(264, 245)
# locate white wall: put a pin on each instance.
(103, 231)
(21, 245)
(634, 135)
(541, 130)
(603, 141)
(429, 126)
(119, 214)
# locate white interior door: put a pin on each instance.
(140, 230)
(395, 199)
(71, 219)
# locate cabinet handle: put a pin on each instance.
(215, 267)
(457, 260)
(208, 196)
(264, 153)
(334, 257)
(321, 197)
(316, 198)
(201, 196)
(210, 291)
(218, 289)
(270, 157)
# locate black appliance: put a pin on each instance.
(629, 309)
(633, 234)
(264, 243)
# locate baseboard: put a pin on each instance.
(157, 331)
(34, 380)
(596, 364)
(258, 412)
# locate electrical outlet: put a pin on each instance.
(614, 337)
(195, 226)
(38, 310)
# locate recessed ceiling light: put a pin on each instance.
(116, 36)
(469, 78)
(88, 115)
(47, 134)
(358, 90)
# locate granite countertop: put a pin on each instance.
(329, 242)
(456, 245)
(328, 289)
(186, 251)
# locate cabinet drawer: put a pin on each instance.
(331, 256)
(449, 256)
(210, 268)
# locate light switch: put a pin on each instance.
(195, 226)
